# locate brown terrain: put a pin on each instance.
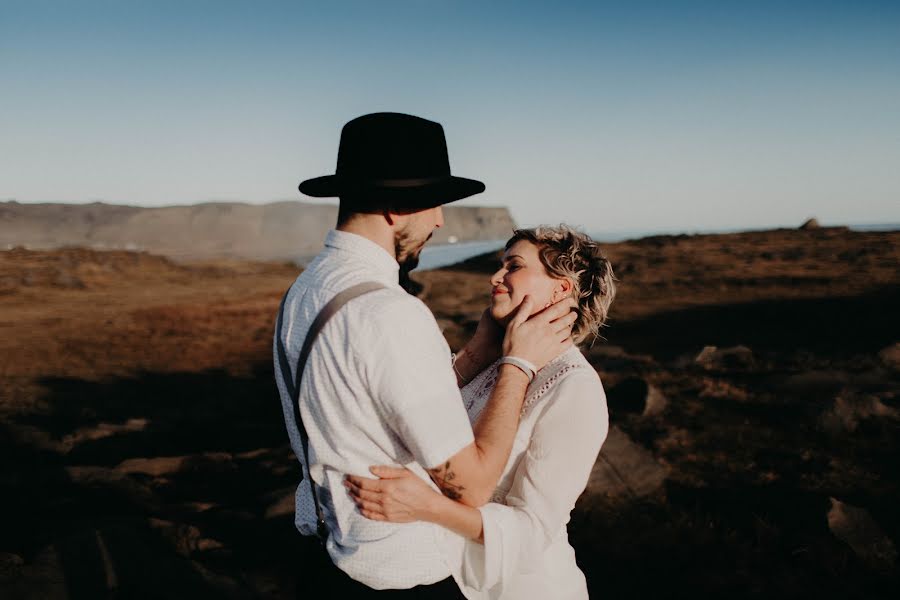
(753, 381)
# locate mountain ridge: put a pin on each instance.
(284, 230)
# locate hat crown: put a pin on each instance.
(387, 146)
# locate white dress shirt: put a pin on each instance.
(526, 552)
(378, 389)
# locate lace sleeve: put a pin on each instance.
(475, 394)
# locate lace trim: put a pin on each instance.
(479, 389)
(534, 396)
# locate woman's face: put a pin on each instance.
(522, 273)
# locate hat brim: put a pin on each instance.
(434, 193)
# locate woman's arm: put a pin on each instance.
(480, 351)
(552, 474)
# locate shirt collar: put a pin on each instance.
(365, 250)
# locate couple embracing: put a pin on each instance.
(428, 474)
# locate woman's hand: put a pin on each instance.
(540, 337)
(398, 496)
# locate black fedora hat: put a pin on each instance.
(393, 158)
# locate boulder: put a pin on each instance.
(185, 538)
(812, 223)
(623, 471)
(848, 411)
(42, 577)
(856, 527)
(890, 356)
(636, 395)
(280, 503)
(734, 357)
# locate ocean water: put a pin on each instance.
(435, 257)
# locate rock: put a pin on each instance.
(848, 411)
(623, 471)
(10, 566)
(812, 223)
(656, 402)
(8, 559)
(635, 395)
(283, 503)
(856, 527)
(155, 467)
(114, 484)
(890, 356)
(208, 462)
(720, 389)
(102, 430)
(186, 539)
(43, 577)
(712, 357)
(817, 383)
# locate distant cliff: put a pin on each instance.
(277, 231)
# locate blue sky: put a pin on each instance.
(631, 115)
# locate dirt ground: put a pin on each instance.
(144, 451)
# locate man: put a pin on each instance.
(378, 386)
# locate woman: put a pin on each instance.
(516, 546)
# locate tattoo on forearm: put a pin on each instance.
(443, 476)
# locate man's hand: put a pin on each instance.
(539, 338)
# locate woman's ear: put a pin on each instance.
(562, 289)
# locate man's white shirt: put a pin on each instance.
(377, 389)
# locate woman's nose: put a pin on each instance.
(497, 278)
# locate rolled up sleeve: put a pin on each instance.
(413, 381)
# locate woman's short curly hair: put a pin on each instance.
(567, 253)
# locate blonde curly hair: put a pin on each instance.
(570, 254)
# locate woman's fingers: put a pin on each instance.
(564, 324)
(370, 506)
(561, 310)
(523, 311)
(372, 515)
(365, 483)
(386, 472)
(358, 492)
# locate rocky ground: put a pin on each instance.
(753, 381)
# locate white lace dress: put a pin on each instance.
(526, 552)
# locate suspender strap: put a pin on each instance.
(293, 383)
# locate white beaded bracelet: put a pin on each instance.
(528, 368)
(453, 358)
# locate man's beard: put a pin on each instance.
(407, 253)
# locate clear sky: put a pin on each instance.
(671, 115)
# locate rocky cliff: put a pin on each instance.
(277, 231)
